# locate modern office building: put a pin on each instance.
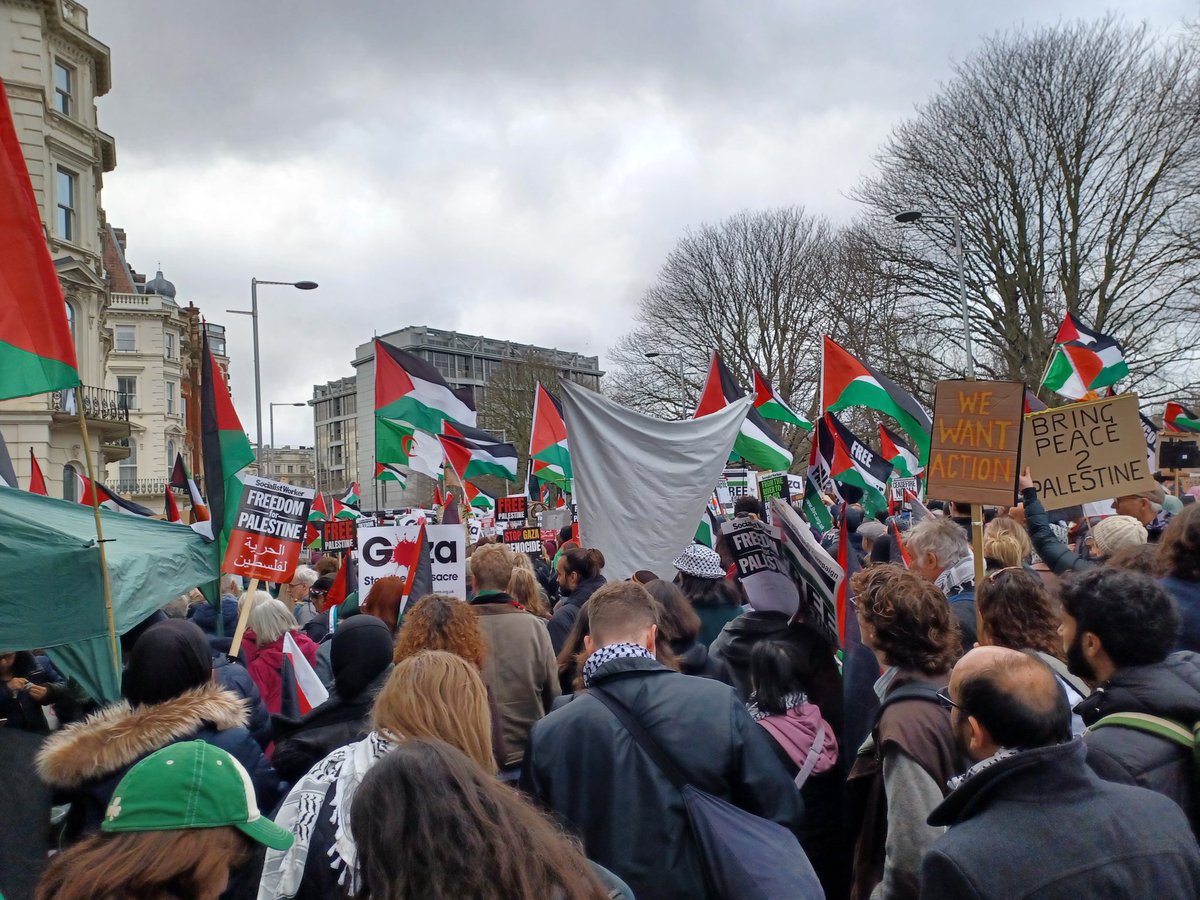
(465, 361)
(335, 417)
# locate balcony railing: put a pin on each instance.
(98, 403)
(139, 487)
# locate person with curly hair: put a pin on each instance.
(1179, 564)
(901, 772)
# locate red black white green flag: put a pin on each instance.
(389, 472)
(756, 443)
(181, 477)
(317, 513)
(479, 453)
(409, 389)
(170, 507)
(352, 497)
(37, 352)
(847, 382)
(902, 457)
(771, 405)
(106, 498)
(857, 465)
(225, 445)
(1178, 417)
(1085, 362)
(548, 440)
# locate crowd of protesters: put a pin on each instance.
(1030, 734)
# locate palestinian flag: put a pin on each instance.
(37, 481)
(772, 406)
(813, 507)
(352, 496)
(106, 499)
(1084, 362)
(856, 464)
(224, 444)
(848, 382)
(301, 691)
(902, 457)
(170, 507)
(342, 511)
(1033, 403)
(756, 442)
(479, 498)
(409, 389)
(400, 442)
(182, 478)
(37, 353)
(317, 513)
(481, 453)
(820, 469)
(548, 439)
(1177, 417)
(707, 530)
(388, 472)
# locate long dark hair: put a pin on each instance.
(677, 622)
(708, 592)
(429, 823)
(584, 563)
(1017, 612)
(778, 669)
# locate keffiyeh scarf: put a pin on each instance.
(611, 652)
(957, 575)
(791, 701)
(999, 756)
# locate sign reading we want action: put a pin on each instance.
(976, 443)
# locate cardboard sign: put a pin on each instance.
(815, 573)
(511, 508)
(1087, 451)
(269, 530)
(741, 483)
(902, 484)
(763, 574)
(524, 540)
(339, 535)
(382, 549)
(976, 447)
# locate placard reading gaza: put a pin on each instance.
(384, 551)
(976, 442)
(511, 508)
(523, 540)
(269, 530)
(1087, 451)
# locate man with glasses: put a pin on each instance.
(1029, 818)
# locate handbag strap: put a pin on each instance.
(814, 754)
(641, 737)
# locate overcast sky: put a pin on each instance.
(518, 170)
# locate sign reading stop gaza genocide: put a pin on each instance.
(976, 442)
(269, 530)
(524, 540)
(1088, 451)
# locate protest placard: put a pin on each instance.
(976, 442)
(762, 573)
(901, 484)
(511, 508)
(774, 486)
(386, 549)
(268, 532)
(815, 573)
(741, 483)
(339, 535)
(524, 540)
(1088, 451)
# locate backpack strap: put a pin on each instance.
(641, 737)
(914, 691)
(814, 754)
(1160, 727)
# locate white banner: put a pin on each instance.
(378, 556)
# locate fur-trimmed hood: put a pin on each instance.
(120, 735)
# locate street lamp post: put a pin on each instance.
(252, 312)
(655, 354)
(271, 473)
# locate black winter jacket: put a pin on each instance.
(85, 762)
(1054, 553)
(1171, 690)
(694, 659)
(1041, 825)
(586, 767)
(564, 617)
(234, 678)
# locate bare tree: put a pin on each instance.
(1072, 155)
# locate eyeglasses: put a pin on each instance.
(943, 695)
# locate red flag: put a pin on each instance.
(37, 482)
(172, 508)
(438, 499)
(337, 591)
(562, 502)
(904, 557)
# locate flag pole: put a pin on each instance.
(108, 607)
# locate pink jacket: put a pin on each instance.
(795, 730)
(264, 665)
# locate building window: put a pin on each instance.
(169, 344)
(126, 338)
(128, 468)
(127, 392)
(70, 484)
(216, 345)
(170, 385)
(64, 87)
(65, 184)
(291, 470)
(170, 456)
(71, 323)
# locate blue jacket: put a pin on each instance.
(233, 677)
(1187, 598)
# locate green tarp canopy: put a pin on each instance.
(52, 589)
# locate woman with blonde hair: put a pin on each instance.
(268, 623)
(432, 694)
(1006, 544)
(524, 588)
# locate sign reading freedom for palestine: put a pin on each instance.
(1087, 451)
(976, 442)
(269, 530)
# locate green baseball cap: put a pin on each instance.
(190, 785)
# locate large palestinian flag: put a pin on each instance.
(856, 464)
(399, 442)
(756, 442)
(37, 353)
(408, 389)
(479, 498)
(548, 440)
(772, 406)
(224, 443)
(847, 382)
(1178, 417)
(481, 453)
(902, 457)
(1084, 362)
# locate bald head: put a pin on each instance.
(1013, 696)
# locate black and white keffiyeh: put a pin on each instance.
(611, 652)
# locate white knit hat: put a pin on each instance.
(700, 561)
(1114, 532)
